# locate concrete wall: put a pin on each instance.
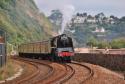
(111, 61)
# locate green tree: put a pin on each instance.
(92, 42)
(122, 18)
(4, 3)
(118, 43)
(103, 44)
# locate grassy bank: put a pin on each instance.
(8, 70)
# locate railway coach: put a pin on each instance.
(59, 48)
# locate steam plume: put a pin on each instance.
(67, 11)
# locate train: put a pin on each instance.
(59, 49)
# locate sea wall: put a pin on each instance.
(111, 61)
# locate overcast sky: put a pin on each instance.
(109, 7)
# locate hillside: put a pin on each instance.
(83, 28)
(23, 22)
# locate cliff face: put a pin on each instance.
(23, 21)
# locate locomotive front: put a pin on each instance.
(64, 46)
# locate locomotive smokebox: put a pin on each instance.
(64, 39)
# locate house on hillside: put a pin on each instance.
(79, 19)
(91, 20)
(99, 30)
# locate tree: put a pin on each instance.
(84, 14)
(89, 16)
(118, 43)
(122, 18)
(103, 44)
(4, 3)
(92, 42)
(78, 14)
(56, 16)
(112, 16)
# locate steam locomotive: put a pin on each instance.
(59, 49)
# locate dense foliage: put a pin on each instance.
(115, 43)
(102, 28)
(23, 22)
(4, 3)
(118, 43)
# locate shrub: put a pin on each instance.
(118, 43)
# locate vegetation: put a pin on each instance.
(118, 43)
(4, 3)
(56, 18)
(103, 44)
(92, 42)
(115, 44)
(113, 27)
(23, 22)
(8, 70)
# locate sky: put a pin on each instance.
(108, 7)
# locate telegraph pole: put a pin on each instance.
(3, 52)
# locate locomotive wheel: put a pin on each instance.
(68, 59)
(52, 59)
(61, 59)
(65, 59)
(47, 58)
(33, 57)
(57, 59)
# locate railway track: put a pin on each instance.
(67, 76)
(61, 73)
(90, 74)
(26, 75)
(45, 72)
(31, 75)
(56, 73)
(82, 73)
(70, 72)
